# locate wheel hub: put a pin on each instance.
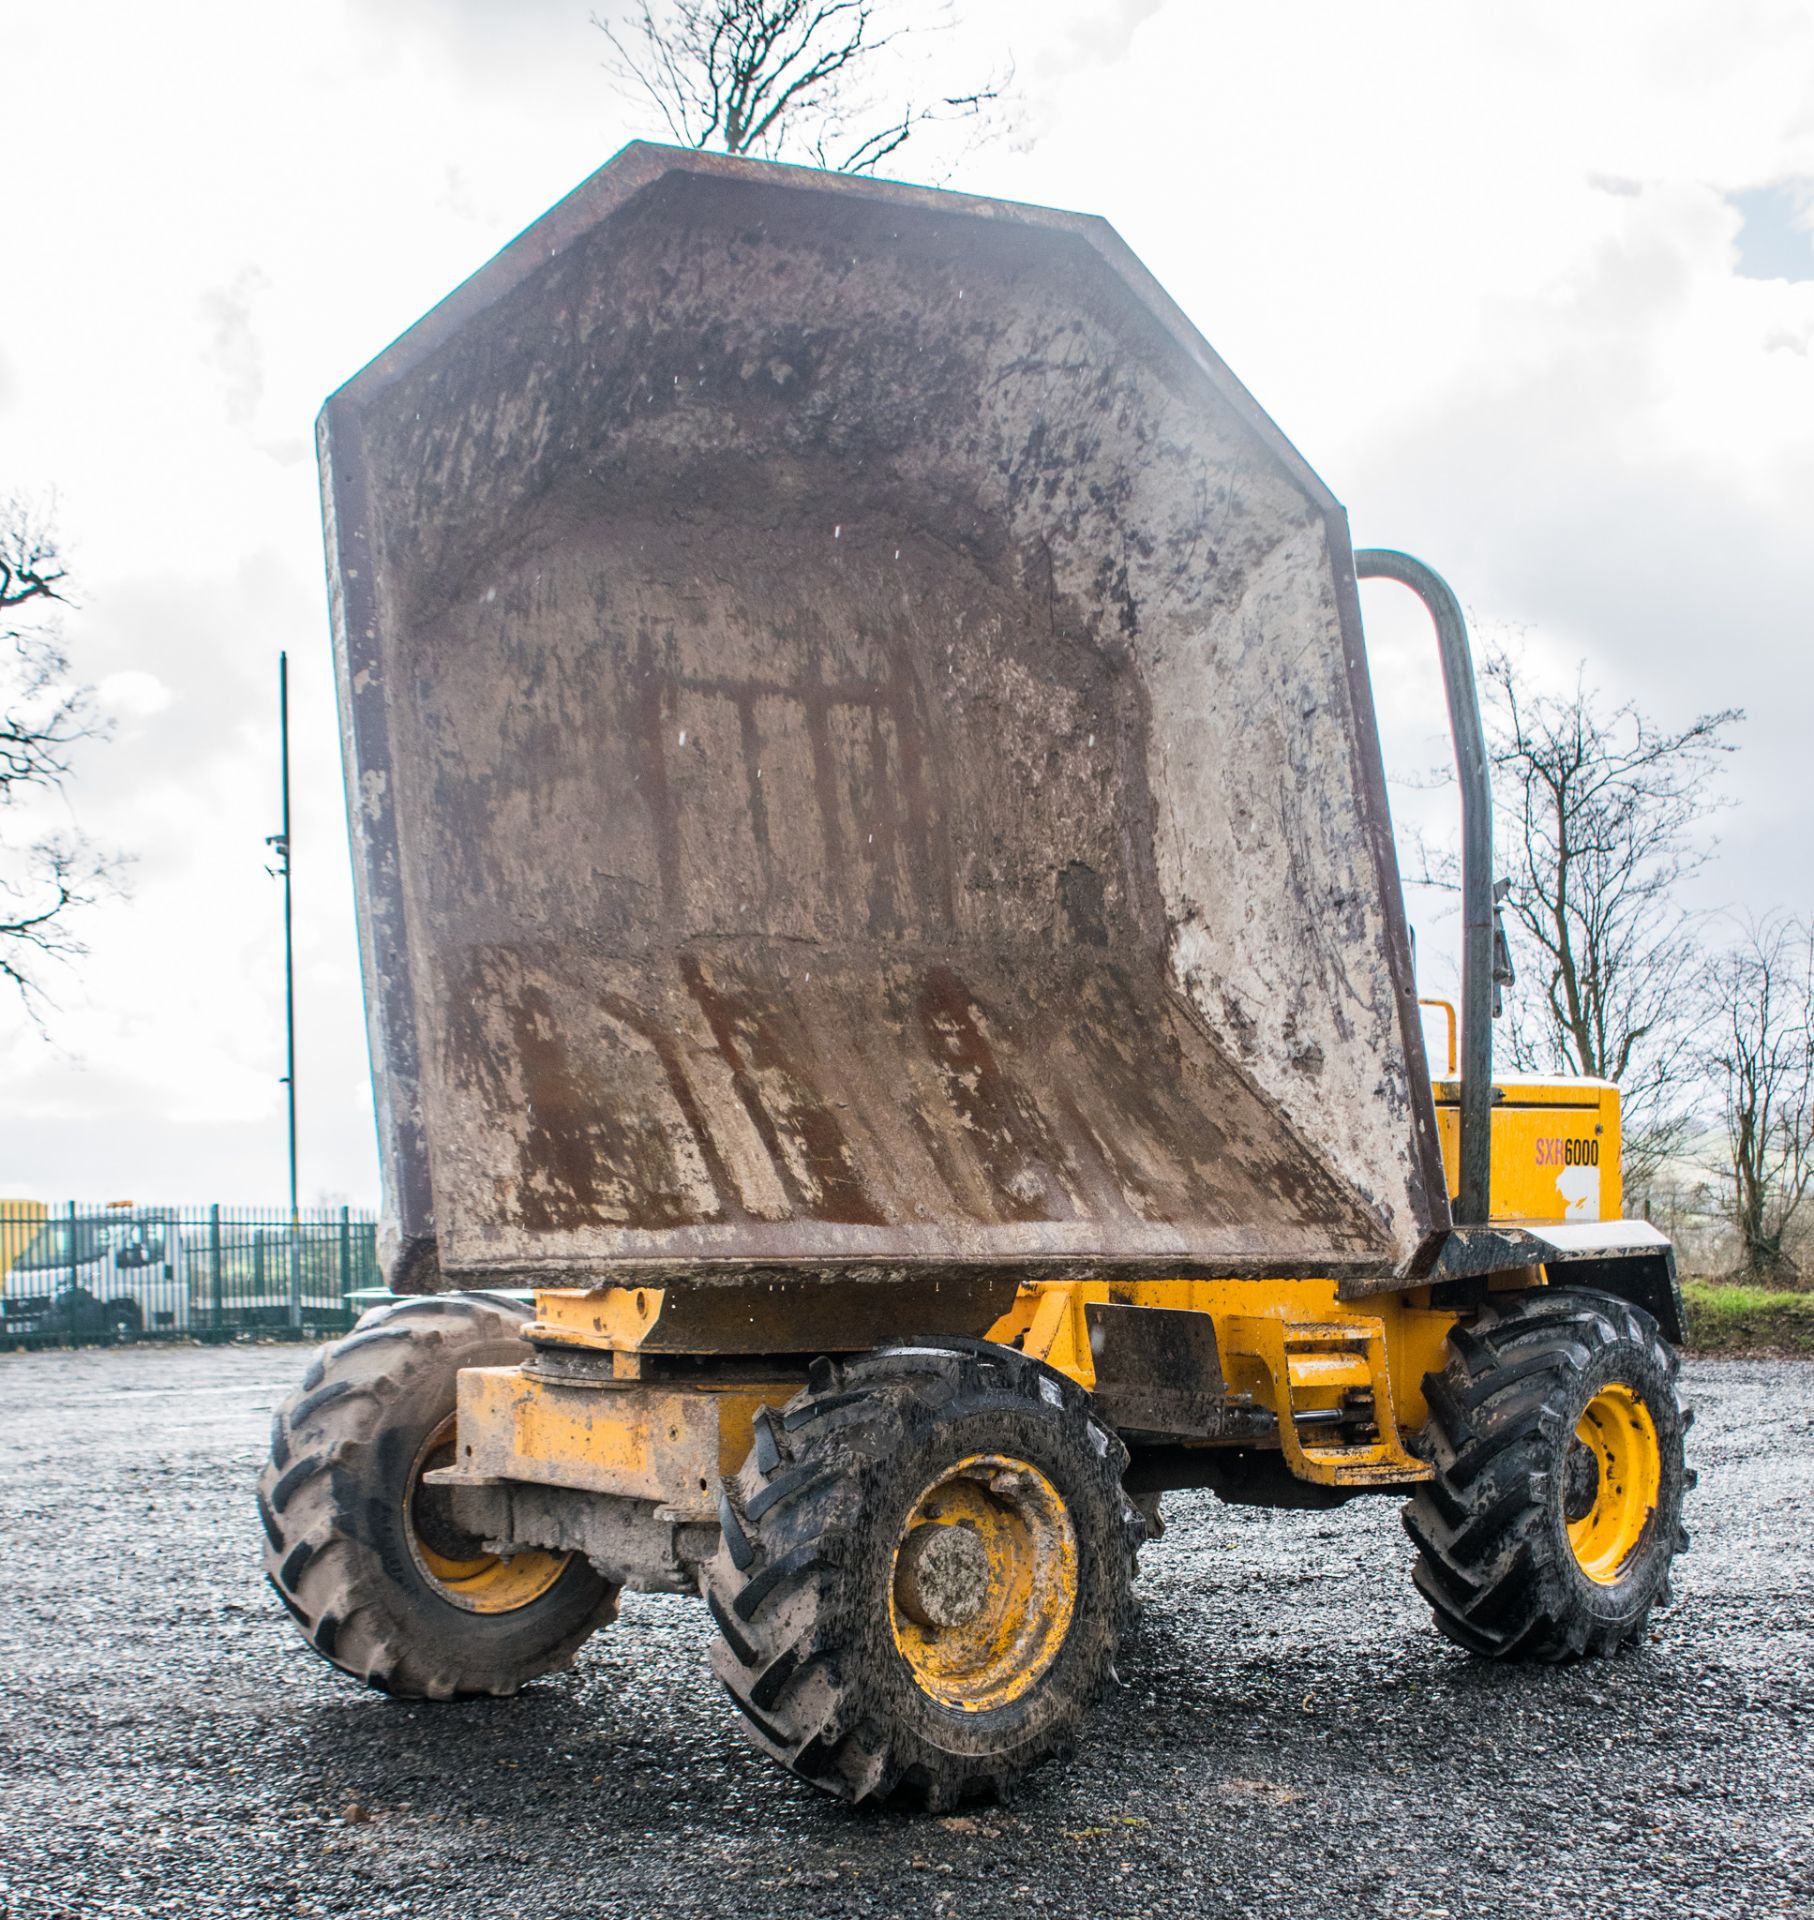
(1580, 1481)
(942, 1576)
(452, 1561)
(1611, 1481)
(983, 1587)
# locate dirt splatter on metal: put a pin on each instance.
(855, 717)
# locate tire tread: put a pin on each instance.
(788, 1519)
(315, 1505)
(1500, 1422)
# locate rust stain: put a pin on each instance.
(1002, 1124)
(662, 1040)
(576, 1145)
(821, 1177)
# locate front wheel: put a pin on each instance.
(1556, 1432)
(925, 1571)
(369, 1560)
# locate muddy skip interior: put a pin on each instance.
(876, 764)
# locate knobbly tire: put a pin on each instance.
(1556, 1432)
(925, 1571)
(367, 1559)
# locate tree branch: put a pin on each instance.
(43, 714)
(781, 77)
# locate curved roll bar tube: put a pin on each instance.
(1478, 917)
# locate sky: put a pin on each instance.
(1532, 288)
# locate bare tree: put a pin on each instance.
(789, 79)
(1601, 815)
(45, 877)
(1760, 998)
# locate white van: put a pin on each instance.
(117, 1271)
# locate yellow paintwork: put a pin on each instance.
(1555, 1148)
(668, 1444)
(20, 1223)
(1057, 1331)
(480, 1582)
(1012, 1618)
(1618, 1430)
(1300, 1365)
(490, 1582)
(1452, 1023)
(1047, 1320)
(616, 1317)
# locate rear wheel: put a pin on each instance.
(926, 1569)
(1556, 1432)
(368, 1558)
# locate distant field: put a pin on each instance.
(1725, 1318)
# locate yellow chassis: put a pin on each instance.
(624, 1430)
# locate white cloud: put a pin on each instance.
(232, 347)
(133, 694)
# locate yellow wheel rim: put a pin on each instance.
(1610, 1482)
(983, 1587)
(454, 1563)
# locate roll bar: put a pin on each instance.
(1480, 971)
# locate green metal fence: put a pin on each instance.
(75, 1272)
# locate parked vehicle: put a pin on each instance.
(123, 1272)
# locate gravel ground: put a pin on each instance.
(1291, 1738)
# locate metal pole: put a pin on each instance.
(282, 842)
(1473, 1200)
(214, 1265)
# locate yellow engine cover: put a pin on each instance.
(1555, 1147)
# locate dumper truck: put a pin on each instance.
(891, 1002)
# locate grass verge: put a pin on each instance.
(1727, 1318)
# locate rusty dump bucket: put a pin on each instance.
(862, 766)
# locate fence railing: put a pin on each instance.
(72, 1271)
